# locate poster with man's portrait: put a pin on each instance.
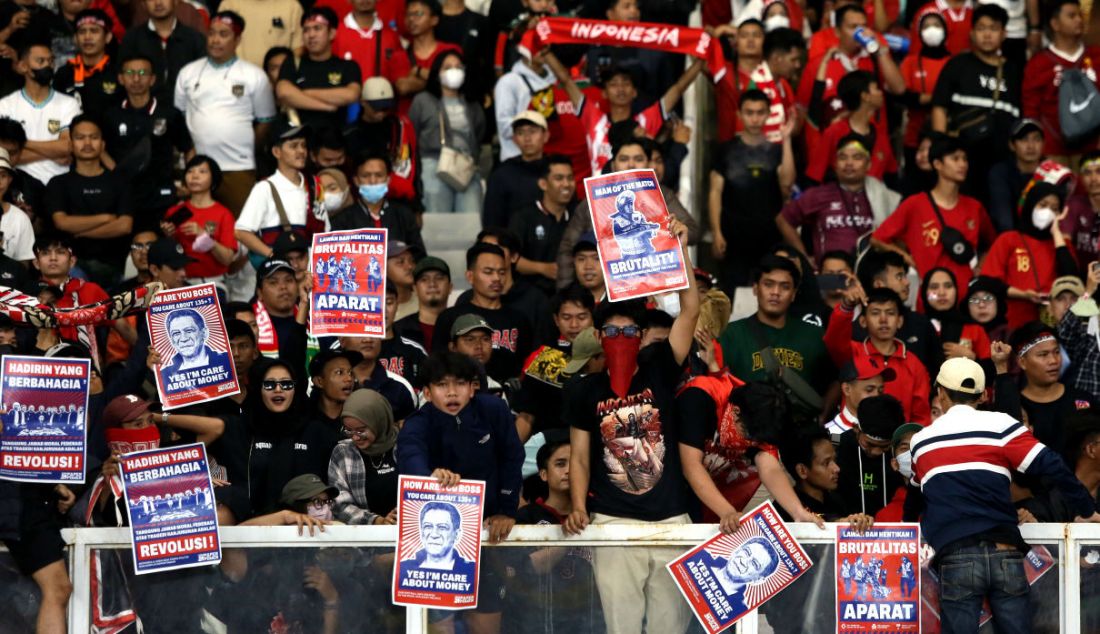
(186, 328)
(630, 219)
(438, 543)
(728, 576)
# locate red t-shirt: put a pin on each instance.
(882, 155)
(566, 131)
(1039, 95)
(217, 221)
(352, 43)
(915, 223)
(390, 12)
(1025, 262)
(920, 75)
(597, 125)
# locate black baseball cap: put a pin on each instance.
(270, 266)
(317, 364)
(287, 243)
(431, 263)
(168, 252)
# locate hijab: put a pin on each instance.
(374, 411)
(1033, 193)
(262, 421)
(949, 321)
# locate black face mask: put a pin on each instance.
(43, 76)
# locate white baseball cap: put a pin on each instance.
(961, 375)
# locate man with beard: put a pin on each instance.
(624, 465)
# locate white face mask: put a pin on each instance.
(323, 514)
(777, 21)
(905, 465)
(335, 202)
(452, 78)
(932, 35)
(1043, 217)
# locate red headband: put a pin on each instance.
(91, 19)
(228, 21)
(318, 17)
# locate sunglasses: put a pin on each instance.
(269, 386)
(982, 299)
(319, 504)
(626, 331)
(355, 433)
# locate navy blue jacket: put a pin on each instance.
(480, 443)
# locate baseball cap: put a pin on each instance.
(317, 364)
(124, 408)
(168, 252)
(378, 92)
(904, 429)
(861, 368)
(1070, 283)
(270, 266)
(586, 242)
(880, 416)
(431, 263)
(287, 242)
(468, 323)
(961, 375)
(702, 275)
(5, 160)
(395, 248)
(285, 131)
(304, 488)
(532, 117)
(1023, 126)
(585, 346)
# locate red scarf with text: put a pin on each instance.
(661, 37)
(268, 341)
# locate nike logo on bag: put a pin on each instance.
(1075, 107)
(484, 439)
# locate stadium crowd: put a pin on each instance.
(910, 191)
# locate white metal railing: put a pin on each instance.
(1069, 539)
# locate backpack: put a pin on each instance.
(1078, 106)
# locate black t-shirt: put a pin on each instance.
(331, 73)
(381, 482)
(1048, 419)
(26, 192)
(78, 195)
(97, 92)
(866, 484)
(402, 357)
(292, 342)
(275, 460)
(634, 461)
(512, 337)
(141, 141)
(539, 235)
(831, 510)
(751, 196)
(966, 83)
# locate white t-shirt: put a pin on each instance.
(259, 211)
(42, 122)
(18, 234)
(221, 102)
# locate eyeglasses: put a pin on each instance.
(286, 386)
(140, 246)
(318, 504)
(355, 433)
(140, 72)
(982, 299)
(626, 331)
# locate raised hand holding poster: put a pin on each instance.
(878, 579)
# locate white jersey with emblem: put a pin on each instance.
(42, 122)
(221, 102)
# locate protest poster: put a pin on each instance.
(349, 284)
(728, 576)
(438, 543)
(173, 516)
(186, 328)
(630, 219)
(877, 579)
(1037, 563)
(45, 401)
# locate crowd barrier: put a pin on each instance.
(1066, 600)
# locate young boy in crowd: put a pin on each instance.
(463, 434)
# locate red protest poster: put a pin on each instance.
(438, 543)
(728, 576)
(877, 579)
(638, 254)
(349, 284)
(186, 328)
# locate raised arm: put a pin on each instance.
(567, 83)
(682, 334)
(673, 94)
